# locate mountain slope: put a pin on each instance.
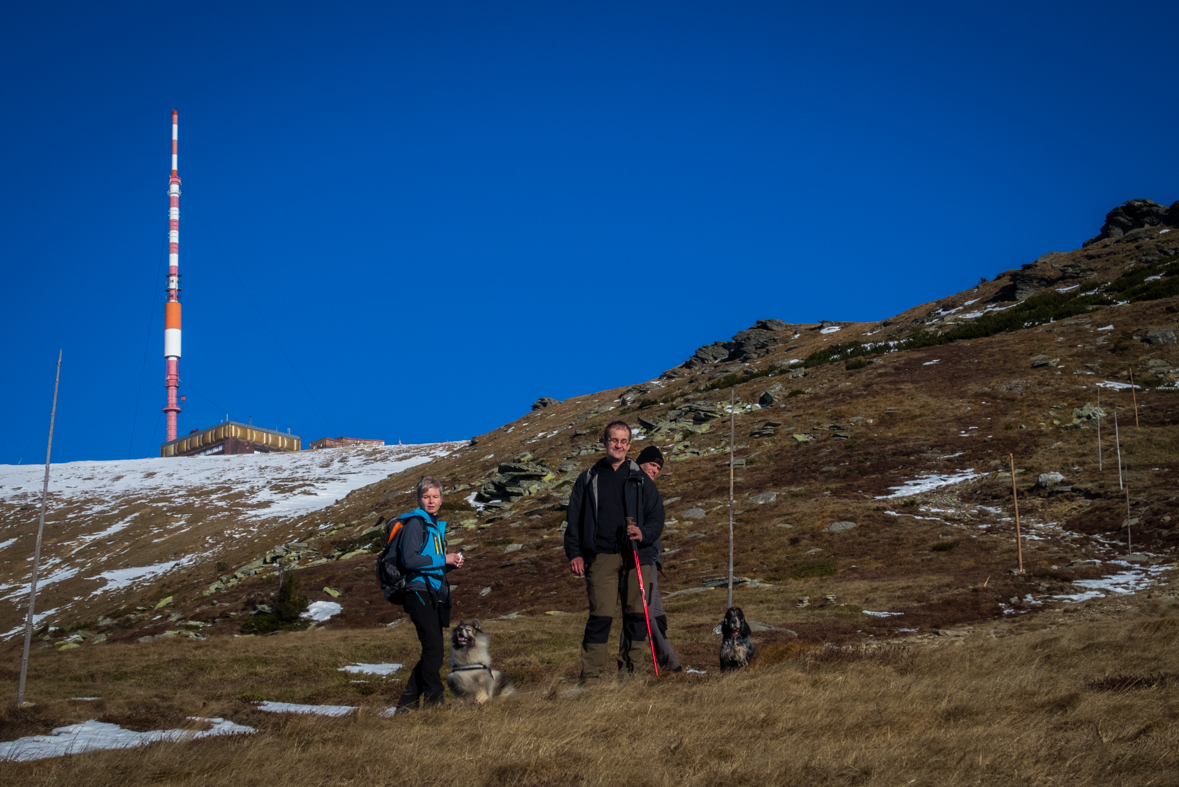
(832, 421)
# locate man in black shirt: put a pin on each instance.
(598, 543)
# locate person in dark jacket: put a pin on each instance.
(424, 557)
(598, 544)
(650, 461)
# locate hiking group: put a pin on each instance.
(613, 539)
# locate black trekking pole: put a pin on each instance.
(643, 593)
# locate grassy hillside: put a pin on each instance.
(907, 647)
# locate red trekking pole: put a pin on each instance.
(643, 593)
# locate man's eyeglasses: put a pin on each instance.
(613, 441)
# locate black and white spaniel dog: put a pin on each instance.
(736, 649)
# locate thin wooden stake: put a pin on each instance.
(1129, 549)
(732, 433)
(1015, 498)
(1134, 395)
(1099, 429)
(24, 659)
(1118, 443)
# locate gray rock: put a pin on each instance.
(720, 582)
(653, 424)
(1160, 336)
(839, 527)
(596, 410)
(513, 547)
(1047, 480)
(764, 497)
(771, 325)
(543, 402)
(709, 353)
(771, 395)
(753, 343)
(631, 395)
(1084, 415)
(1027, 282)
(694, 513)
(1039, 361)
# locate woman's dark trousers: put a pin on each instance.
(429, 618)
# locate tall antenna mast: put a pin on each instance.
(172, 307)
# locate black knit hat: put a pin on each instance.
(651, 454)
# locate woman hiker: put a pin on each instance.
(427, 594)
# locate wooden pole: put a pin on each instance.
(732, 434)
(24, 659)
(1099, 429)
(1129, 549)
(1134, 395)
(1015, 499)
(1118, 443)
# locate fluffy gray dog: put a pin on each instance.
(471, 674)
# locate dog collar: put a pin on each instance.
(467, 667)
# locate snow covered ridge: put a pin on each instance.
(279, 484)
(115, 526)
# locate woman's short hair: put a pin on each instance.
(428, 482)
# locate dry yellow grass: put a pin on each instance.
(1082, 698)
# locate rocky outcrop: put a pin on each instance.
(631, 395)
(709, 353)
(1135, 214)
(543, 402)
(1037, 276)
(1082, 416)
(747, 345)
(766, 430)
(514, 480)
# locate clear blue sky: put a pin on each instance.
(411, 220)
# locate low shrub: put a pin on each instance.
(288, 607)
(825, 568)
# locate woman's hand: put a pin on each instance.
(454, 559)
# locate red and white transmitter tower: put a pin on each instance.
(172, 307)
